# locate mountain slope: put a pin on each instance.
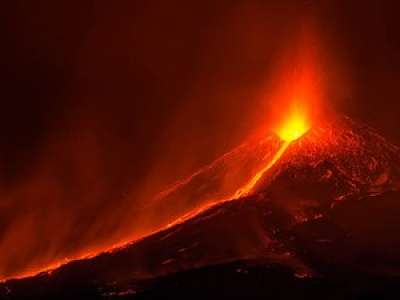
(326, 207)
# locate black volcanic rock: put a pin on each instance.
(345, 158)
(327, 208)
(339, 161)
(357, 236)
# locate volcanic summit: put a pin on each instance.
(323, 202)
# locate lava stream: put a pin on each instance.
(247, 189)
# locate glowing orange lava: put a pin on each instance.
(295, 126)
(247, 189)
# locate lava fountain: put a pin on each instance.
(296, 125)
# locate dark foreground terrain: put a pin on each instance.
(239, 280)
(340, 258)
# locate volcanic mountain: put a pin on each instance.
(323, 205)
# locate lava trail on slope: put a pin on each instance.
(327, 206)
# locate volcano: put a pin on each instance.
(318, 210)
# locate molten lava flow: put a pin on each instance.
(246, 190)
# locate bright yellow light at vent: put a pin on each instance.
(294, 126)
